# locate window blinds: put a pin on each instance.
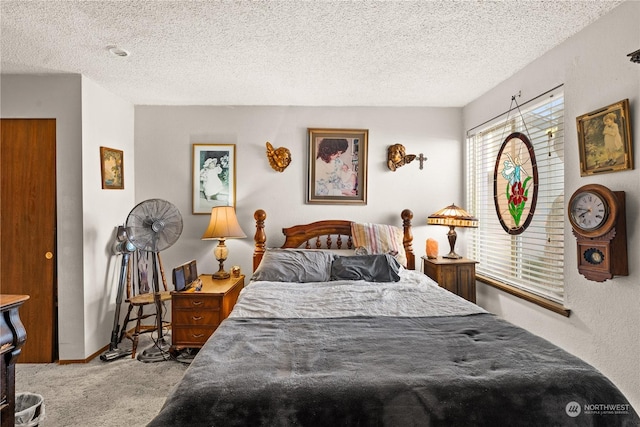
(533, 260)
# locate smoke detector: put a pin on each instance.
(117, 51)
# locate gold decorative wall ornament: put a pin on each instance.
(279, 158)
(397, 156)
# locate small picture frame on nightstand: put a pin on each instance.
(184, 275)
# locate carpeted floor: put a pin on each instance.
(122, 392)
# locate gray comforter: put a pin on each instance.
(472, 370)
(385, 355)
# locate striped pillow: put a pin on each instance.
(379, 239)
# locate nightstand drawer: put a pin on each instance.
(196, 317)
(191, 336)
(197, 301)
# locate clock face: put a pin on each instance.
(588, 211)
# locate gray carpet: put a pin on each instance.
(122, 392)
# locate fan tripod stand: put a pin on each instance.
(142, 293)
(158, 351)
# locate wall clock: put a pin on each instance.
(597, 216)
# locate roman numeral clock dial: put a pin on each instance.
(589, 210)
(597, 216)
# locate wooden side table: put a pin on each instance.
(196, 314)
(455, 275)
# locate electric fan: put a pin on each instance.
(153, 226)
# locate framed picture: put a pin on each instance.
(112, 168)
(604, 139)
(337, 166)
(184, 275)
(214, 177)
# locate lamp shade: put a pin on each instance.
(452, 215)
(223, 224)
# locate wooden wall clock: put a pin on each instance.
(597, 216)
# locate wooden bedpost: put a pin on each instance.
(260, 238)
(407, 240)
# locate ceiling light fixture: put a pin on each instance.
(115, 50)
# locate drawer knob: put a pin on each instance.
(196, 318)
(198, 335)
(197, 302)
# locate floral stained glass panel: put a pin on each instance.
(515, 183)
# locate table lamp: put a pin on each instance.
(452, 216)
(222, 225)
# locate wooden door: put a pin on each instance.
(27, 229)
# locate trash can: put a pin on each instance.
(29, 409)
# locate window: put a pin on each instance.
(529, 264)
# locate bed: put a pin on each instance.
(335, 330)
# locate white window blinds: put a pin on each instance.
(533, 260)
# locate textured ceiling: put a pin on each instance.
(313, 53)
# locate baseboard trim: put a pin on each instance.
(130, 332)
(87, 360)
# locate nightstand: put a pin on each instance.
(455, 275)
(196, 314)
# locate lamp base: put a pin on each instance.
(220, 275)
(452, 255)
(221, 255)
(452, 236)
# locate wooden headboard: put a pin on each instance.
(326, 234)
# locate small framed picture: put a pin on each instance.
(112, 168)
(184, 275)
(179, 280)
(337, 166)
(604, 140)
(214, 177)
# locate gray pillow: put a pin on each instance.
(371, 268)
(294, 265)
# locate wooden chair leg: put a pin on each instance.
(136, 333)
(127, 318)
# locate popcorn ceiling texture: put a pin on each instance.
(311, 53)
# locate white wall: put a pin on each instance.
(107, 121)
(86, 117)
(59, 97)
(164, 138)
(593, 66)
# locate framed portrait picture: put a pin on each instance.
(214, 177)
(112, 168)
(337, 166)
(604, 139)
